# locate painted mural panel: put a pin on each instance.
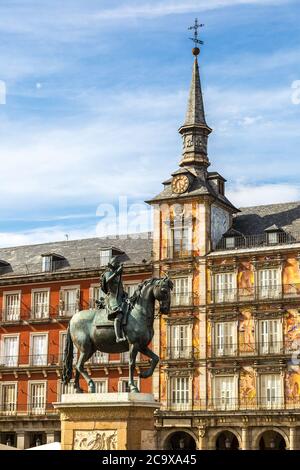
(292, 386)
(208, 333)
(291, 277)
(220, 223)
(247, 387)
(163, 388)
(246, 280)
(292, 330)
(246, 332)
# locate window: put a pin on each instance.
(270, 390)
(95, 294)
(47, 263)
(272, 238)
(37, 402)
(224, 287)
(270, 335)
(10, 351)
(105, 257)
(124, 385)
(180, 344)
(180, 239)
(8, 398)
(39, 346)
(101, 386)
(12, 306)
(40, 304)
(230, 242)
(180, 393)
(225, 338)
(69, 301)
(269, 283)
(225, 393)
(63, 339)
(99, 357)
(182, 293)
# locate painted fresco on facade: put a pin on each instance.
(292, 330)
(246, 332)
(208, 336)
(291, 277)
(247, 386)
(292, 386)
(246, 280)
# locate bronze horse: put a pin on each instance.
(90, 331)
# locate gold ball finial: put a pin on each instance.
(196, 51)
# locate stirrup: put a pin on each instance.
(119, 340)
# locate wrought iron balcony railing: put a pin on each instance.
(36, 407)
(232, 404)
(257, 293)
(261, 240)
(182, 300)
(251, 349)
(180, 352)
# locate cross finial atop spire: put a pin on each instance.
(195, 39)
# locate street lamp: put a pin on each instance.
(272, 444)
(227, 443)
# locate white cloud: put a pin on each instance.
(245, 195)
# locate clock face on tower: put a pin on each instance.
(180, 184)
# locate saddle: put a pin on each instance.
(105, 317)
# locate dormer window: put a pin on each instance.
(51, 262)
(105, 257)
(47, 264)
(106, 254)
(274, 235)
(217, 181)
(230, 242)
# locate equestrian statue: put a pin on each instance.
(117, 325)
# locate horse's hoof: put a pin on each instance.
(78, 390)
(92, 388)
(134, 389)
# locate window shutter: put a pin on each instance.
(61, 302)
(91, 297)
(77, 306)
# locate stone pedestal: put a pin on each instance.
(107, 421)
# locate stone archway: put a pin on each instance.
(271, 440)
(227, 440)
(180, 440)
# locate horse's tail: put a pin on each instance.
(68, 359)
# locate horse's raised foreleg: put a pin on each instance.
(133, 350)
(154, 361)
(83, 357)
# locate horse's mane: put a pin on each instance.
(138, 291)
(148, 282)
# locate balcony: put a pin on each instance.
(180, 353)
(68, 310)
(259, 293)
(251, 349)
(15, 409)
(233, 405)
(182, 299)
(255, 241)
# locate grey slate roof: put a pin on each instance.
(195, 110)
(200, 186)
(77, 253)
(255, 220)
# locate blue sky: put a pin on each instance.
(96, 91)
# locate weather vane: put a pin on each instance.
(195, 39)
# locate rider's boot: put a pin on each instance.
(119, 336)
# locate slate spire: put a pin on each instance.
(195, 130)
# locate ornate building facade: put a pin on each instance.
(228, 376)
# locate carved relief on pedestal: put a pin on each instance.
(95, 440)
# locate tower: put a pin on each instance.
(191, 214)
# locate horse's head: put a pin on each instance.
(162, 292)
